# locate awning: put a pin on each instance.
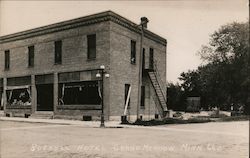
(17, 87)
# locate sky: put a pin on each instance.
(186, 24)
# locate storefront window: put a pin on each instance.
(79, 93)
(19, 96)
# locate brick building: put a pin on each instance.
(52, 70)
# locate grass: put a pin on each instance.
(218, 116)
(198, 119)
(169, 121)
(235, 118)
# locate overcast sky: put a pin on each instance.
(186, 24)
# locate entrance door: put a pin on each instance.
(143, 59)
(45, 97)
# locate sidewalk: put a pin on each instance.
(109, 124)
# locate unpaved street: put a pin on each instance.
(208, 140)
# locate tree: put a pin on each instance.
(224, 79)
(176, 97)
(228, 51)
(191, 82)
(228, 44)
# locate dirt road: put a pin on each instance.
(208, 140)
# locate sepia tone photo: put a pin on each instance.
(121, 79)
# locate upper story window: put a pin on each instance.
(91, 46)
(133, 52)
(31, 56)
(7, 59)
(58, 52)
(151, 58)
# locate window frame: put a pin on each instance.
(143, 92)
(133, 52)
(91, 46)
(6, 59)
(151, 58)
(58, 52)
(31, 56)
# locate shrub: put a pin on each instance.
(170, 121)
(236, 118)
(218, 115)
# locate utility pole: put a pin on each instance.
(142, 25)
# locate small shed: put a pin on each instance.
(193, 104)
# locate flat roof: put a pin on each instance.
(82, 21)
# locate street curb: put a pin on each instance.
(94, 124)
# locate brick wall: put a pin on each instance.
(123, 72)
(74, 51)
(74, 56)
(113, 51)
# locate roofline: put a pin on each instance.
(82, 21)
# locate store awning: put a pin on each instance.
(17, 87)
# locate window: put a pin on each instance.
(127, 86)
(7, 59)
(58, 52)
(133, 52)
(151, 58)
(79, 93)
(142, 96)
(19, 96)
(91, 46)
(31, 56)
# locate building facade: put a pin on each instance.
(53, 69)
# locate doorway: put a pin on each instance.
(45, 97)
(143, 59)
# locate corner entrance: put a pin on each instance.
(44, 97)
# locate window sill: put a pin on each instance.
(79, 107)
(18, 106)
(92, 59)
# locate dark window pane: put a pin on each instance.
(7, 59)
(19, 97)
(79, 93)
(58, 52)
(133, 52)
(31, 56)
(19, 81)
(151, 58)
(91, 46)
(142, 96)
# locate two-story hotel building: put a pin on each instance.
(53, 70)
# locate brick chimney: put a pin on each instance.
(144, 21)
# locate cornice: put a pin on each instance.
(83, 21)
